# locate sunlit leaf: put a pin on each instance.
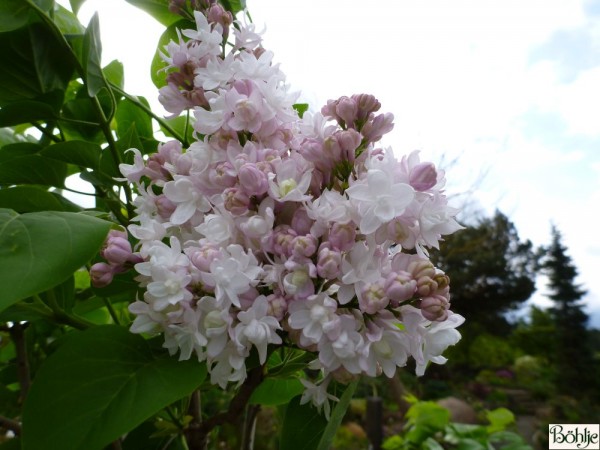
(66, 21)
(158, 9)
(92, 55)
(128, 115)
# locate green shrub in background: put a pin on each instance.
(490, 352)
(428, 427)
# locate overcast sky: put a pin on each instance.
(510, 89)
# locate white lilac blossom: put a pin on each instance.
(273, 230)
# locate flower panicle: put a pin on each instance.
(271, 229)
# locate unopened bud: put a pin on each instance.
(435, 308)
(101, 275)
(423, 176)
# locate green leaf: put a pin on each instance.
(21, 163)
(100, 384)
(114, 73)
(158, 9)
(67, 22)
(39, 65)
(234, 6)
(80, 109)
(143, 438)
(276, 391)
(303, 426)
(25, 199)
(338, 413)
(16, 13)
(26, 111)
(80, 153)
(301, 108)
(63, 295)
(41, 250)
(128, 115)
(122, 286)
(92, 55)
(431, 444)
(499, 419)
(393, 443)
(158, 75)
(182, 125)
(76, 5)
(470, 444)
(508, 440)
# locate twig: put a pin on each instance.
(197, 434)
(10, 424)
(17, 334)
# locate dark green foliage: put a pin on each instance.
(573, 354)
(491, 270)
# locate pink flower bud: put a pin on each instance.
(346, 110)
(118, 251)
(216, 14)
(101, 275)
(426, 286)
(399, 287)
(203, 257)
(282, 239)
(365, 105)
(164, 206)
(372, 298)
(423, 176)
(236, 201)
(277, 306)
(375, 128)
(223, 175)
(253, 180)
(301, 223)
(304, 246)
(421, 268)
(329, 263)
(342, 236)
(348, 142)
(435, 308)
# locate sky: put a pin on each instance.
(505, 95)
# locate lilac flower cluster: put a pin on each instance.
(271, 229)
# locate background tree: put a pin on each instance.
(573, 354)
(492, 271)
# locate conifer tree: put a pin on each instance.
(573, 356)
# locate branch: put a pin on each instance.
(17, 334)
(197, 433)
(10, 424)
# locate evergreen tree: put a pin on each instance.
(573, 354)
(491, 270)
